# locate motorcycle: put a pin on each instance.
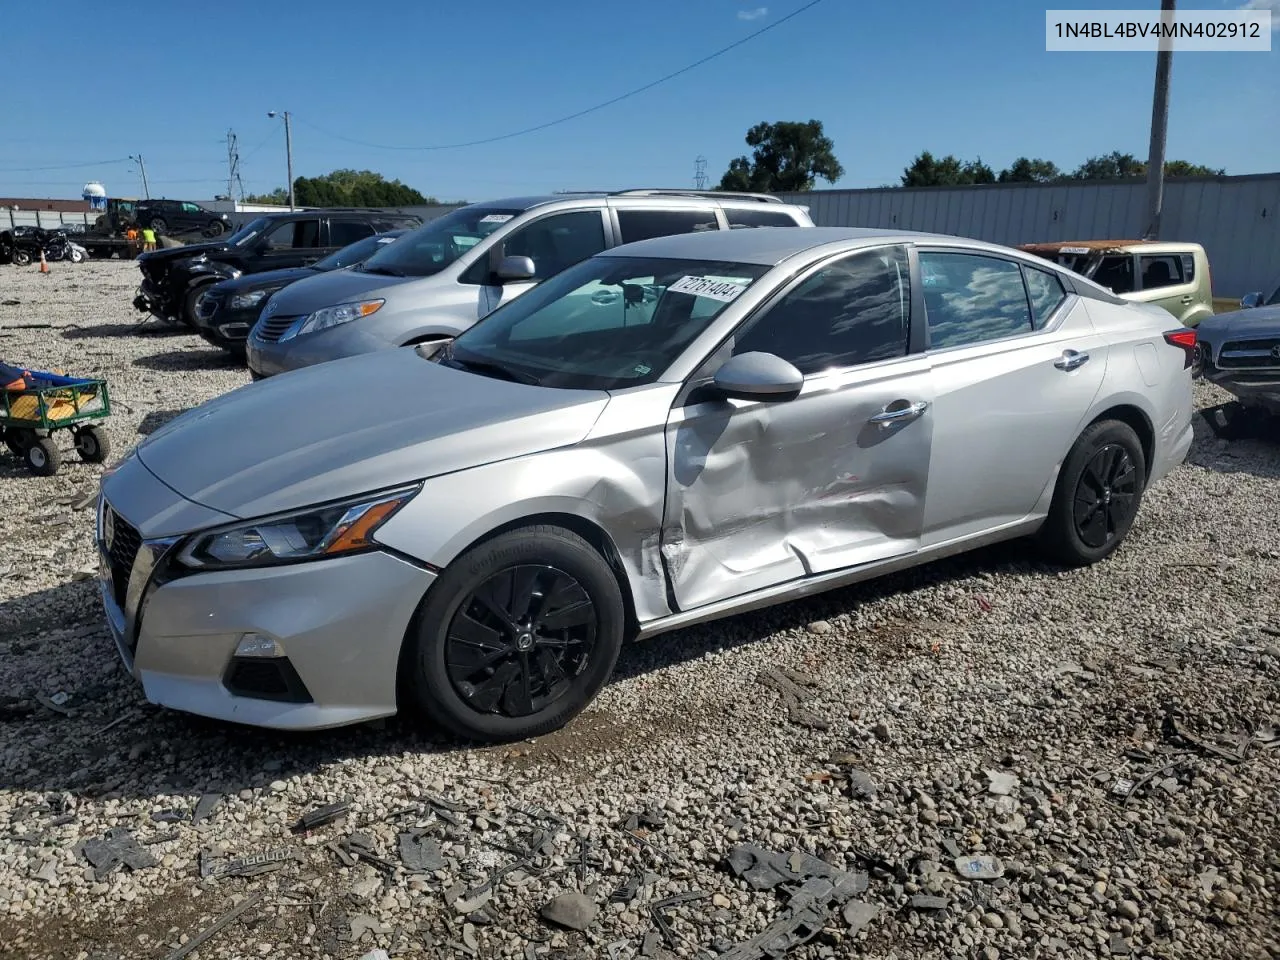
(24, 245)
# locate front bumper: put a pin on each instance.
(221, 326)
(150, 299)
(267, 358)
(336, 627)
(1251, 387)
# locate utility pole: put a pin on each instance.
(1159, 126)
(288, 149)
(143, 167)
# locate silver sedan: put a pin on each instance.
(672, 431)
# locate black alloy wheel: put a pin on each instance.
(519, 639)
(1105, 496)
(515, 637)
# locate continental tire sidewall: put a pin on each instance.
(429, 683)
(1058, 535)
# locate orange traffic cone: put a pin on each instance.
(44, 265)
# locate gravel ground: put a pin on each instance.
(983, 705)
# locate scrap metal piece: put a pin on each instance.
(1177, 736)
(360, 847)
(216, 927)
(781, 936)
(658, 912)
(924, 902)
(322, 816)
(249, 866)
(628, 890)
(115, 849)
(419, 853)
(168, 816)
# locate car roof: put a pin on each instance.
(765, 245)
(662, 198)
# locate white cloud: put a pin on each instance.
(759, 12)
(1272, 5)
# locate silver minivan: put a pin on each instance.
(438, 280)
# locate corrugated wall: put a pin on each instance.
(1237, 219)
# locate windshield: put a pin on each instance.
(355, 252)
(248, 232)
(438, 243)
(605, 324)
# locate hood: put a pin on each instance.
(177, 253)
(1258, 321)
(334, 287)
(348, 426)
(266, 280)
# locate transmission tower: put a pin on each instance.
(700, 172)
(233, 166)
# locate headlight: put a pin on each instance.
(243, 301)
(311, 534)
(332, 316)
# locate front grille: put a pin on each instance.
(125, 544)
(1250, 354)
(271, 330)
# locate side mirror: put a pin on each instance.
(1250, 300)
(758, 376)
(515, 269)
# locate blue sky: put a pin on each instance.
(887, 79)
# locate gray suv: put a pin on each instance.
(438, 280)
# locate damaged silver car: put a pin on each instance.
(671, 431)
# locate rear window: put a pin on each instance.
(647, 224)
(758, 218)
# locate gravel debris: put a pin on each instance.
(1158, 668)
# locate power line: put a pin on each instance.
(581, 113)
(64, 166)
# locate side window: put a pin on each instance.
(343, 232)
(646, 224)
(855, 310)
(1161, 271)
(1045, 292)
(970, 298)
(1188, 267)
(1115, 273)
(758, 218)
(190, 208)
(295, 234)
(558, 241)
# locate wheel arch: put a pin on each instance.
(1136, 418)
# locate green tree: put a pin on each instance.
(949, 171)
(1112, 166)
(279, 195)
(787, 156)
(1025, 170)
(1182, 168)
(355, 188)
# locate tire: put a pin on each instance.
(159, 225)
(43, 457)
(552, 562)
(17, 440)
(21, 258)
(189, 305)
(216, 228)
(77, 256)
(92, 444)
(1097, 497)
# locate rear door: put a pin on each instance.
(1016, 364)
(294, 243)
(1168, 280)
(344, 231)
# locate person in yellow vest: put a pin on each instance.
(148, 238)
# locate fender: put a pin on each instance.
(433, 328)
(207, 271)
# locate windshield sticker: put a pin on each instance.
(496, 218)
(387, 240)
(712, 288)
(1073, 249)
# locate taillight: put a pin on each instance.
(1187, 339)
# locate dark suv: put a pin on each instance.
(171, 217)
(173, 279)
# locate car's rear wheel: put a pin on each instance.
(1098, 495)
(516, 637)
(159, 226)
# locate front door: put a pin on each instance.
(553, 243)
(1016, 364)
(294, 243)
(761, 493)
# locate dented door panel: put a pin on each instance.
(761, 493)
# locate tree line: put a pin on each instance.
(790, 156)
(346, 188)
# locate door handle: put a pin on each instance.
(1071, 360)
(888, 417)
(1187, 299)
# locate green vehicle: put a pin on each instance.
(1172, 275)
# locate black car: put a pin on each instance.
(171, 217)
(227, 311)
(173, 279)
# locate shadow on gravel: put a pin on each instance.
(1230, 440)
(156, 419)
(196, 359)
(120, 330)
(101, 740)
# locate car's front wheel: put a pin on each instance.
(517, 636)
(1098, 494)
